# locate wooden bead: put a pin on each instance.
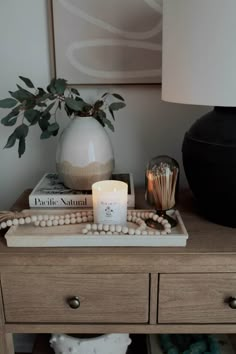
(118, 228)
(28, 220)
(15, 222)
(88, 226)
(49, 223)
(100, 227)
(9, 223)
(125, 229)
(34, 218)
(137, 232)
(112, 228)
(3, 225)
(73, 220)
(21, 221)
(61, 222)
(55, 222)
(67, 221)
(43, 223)
(84, 219)
(79, 220)
(94, 227)
(131, 231)
(106, 227)
(155, 217)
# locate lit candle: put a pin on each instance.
(110, 202)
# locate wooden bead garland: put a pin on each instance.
(8, 219)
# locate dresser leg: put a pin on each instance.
(6, 343)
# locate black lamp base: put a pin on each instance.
(209, 158)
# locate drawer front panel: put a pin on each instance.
(112, 298)
(196, 298)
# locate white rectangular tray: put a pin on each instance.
(71, 235)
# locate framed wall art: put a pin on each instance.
(107, 41)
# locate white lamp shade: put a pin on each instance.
(199, 52)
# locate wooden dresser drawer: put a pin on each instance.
(196, 298)
(113, 298)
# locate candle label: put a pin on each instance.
(110, 212)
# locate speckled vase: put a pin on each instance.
(104, 344)
(84, 154)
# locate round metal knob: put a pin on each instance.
(74, 302)
(232, 302)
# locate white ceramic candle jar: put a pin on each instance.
(110, 202)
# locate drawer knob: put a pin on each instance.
(232, 302)
(74, 302)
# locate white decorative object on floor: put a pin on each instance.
(84, 154)
(71, 235)
(104, 344)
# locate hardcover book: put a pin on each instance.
(50, 192)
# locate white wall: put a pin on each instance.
(145, 128)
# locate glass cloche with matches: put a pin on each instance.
(161, 182)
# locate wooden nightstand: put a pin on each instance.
(131, 290)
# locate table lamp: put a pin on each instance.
(199, 67)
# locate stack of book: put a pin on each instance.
(50, 192)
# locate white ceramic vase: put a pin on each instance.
(105, 344)
(84, 154)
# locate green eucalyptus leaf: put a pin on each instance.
(9, 121)
(41, 91)
(112, 113)
(49, 107)
(119, 97)
(28, 82)
(105, 94)
(22, 131)
(45, 134)
(32, 115)
(51, 87)
(21, 95)
(75, 105)
(10, 118)
(7, 103)
(75, 91)
(11, 141)
(53, 127)
(43, 124)
(109, 124)
(60, 86)
(115, 106)
(21, 146)
(46, 115)
(30, 94)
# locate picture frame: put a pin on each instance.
(106, 42)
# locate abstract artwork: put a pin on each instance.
(107, 41)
